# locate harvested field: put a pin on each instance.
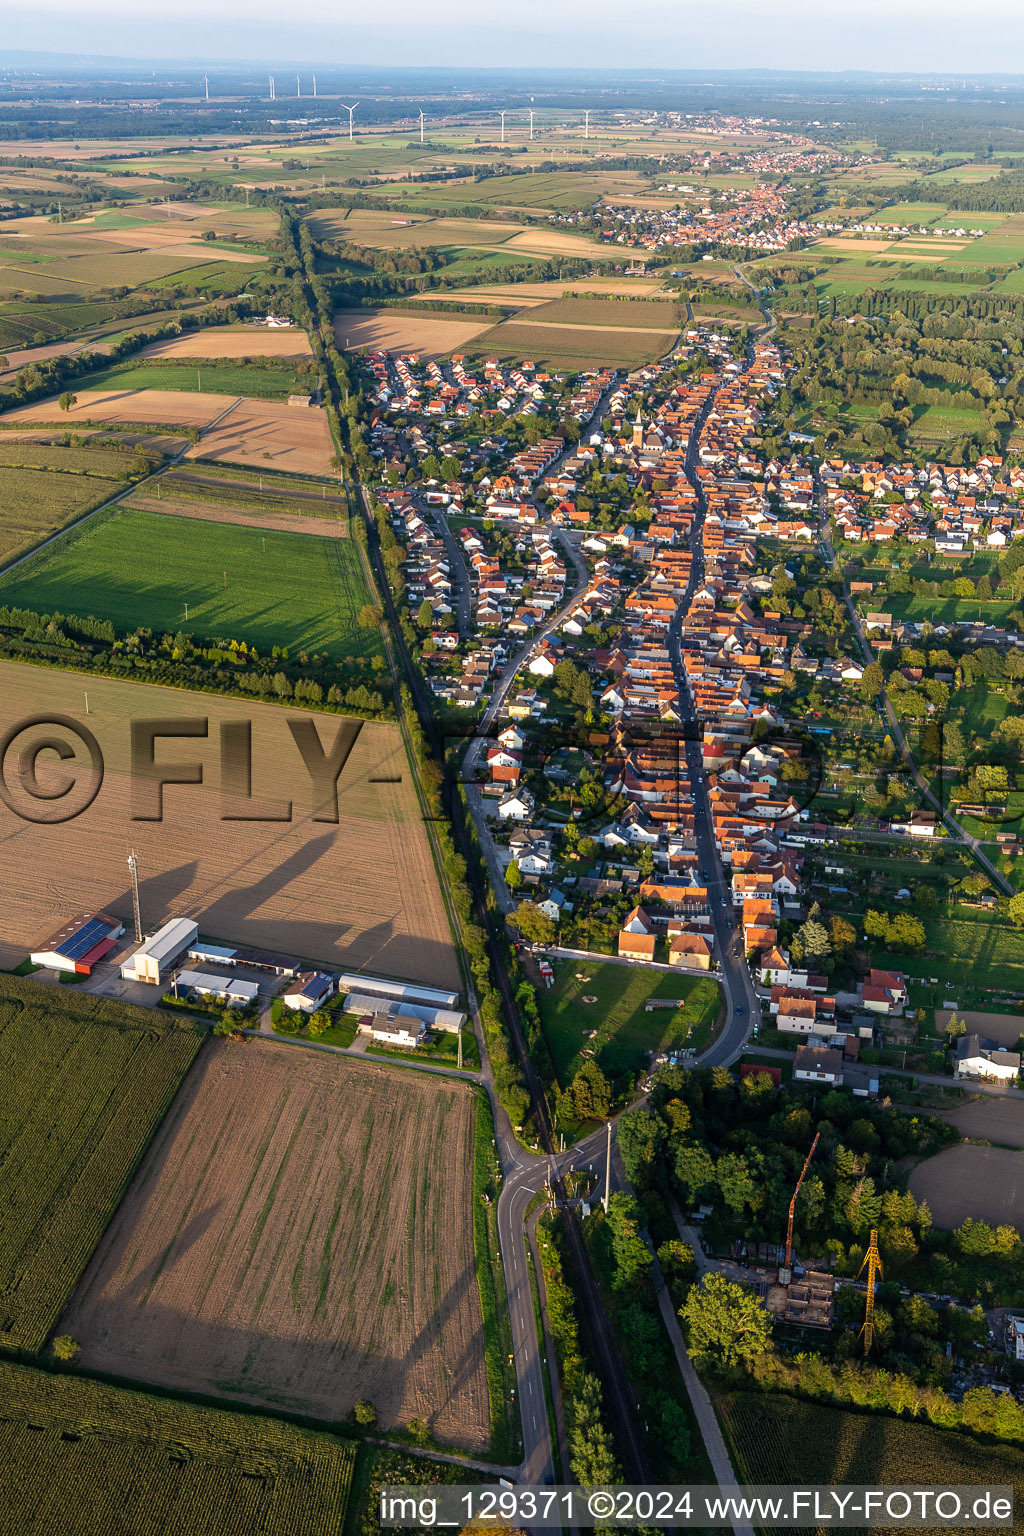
(984, 1182)
(989, 1119)
(157, 407)
(359, 893)
(322, 1255)
(538, 293)
(84, 1081)
(571, 346)
(548, 242)
(387, 231)
(570, 325)
(234, 341)
(73, 1450)
(431, 335)
(244, 517)
(613, 314)
(1005, 1028)
(267, 433)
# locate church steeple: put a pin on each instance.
(638, 430)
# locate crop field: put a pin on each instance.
(323, 1254)
(242, 516)
(614, 1027)
(234, 341)
(779, 1439)
(213, 279)
(540, 293)
(270, 435)
(144, 407)
(359, 893)
(984, 1182)
(36, 502)
(546, 241)
(647, 314)
(137, 568)
(85, 1081)
(222, 377)
(431, 335)
(79, 1455)
(387, 231)
(571, 346)
(988, 1118)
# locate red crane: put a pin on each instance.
(792, 1203)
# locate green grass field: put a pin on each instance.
(81, 1456)
(134, 568)
(215, 377)
(85, 1082)
(625, 1033)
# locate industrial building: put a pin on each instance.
(156, 957)
(80, 944)
(397, 991)
(224, 989)
(255, 959)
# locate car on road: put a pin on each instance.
(724, 902)
(739, 1008)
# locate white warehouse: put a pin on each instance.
(157, 956)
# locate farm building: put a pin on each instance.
(398, 991)
(447, 1019)
(309, 991)
(80, 944)
(257, 959)
(157, 956)
(223, 989)
(393, 1029)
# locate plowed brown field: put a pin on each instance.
(270, 435)
(234, 341)
(358, 893)
(300, 1236)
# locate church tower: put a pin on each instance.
(638, 430)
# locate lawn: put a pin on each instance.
(213, 377)
(267, 588)
(85, 1082)
(79, 1455)
(625, 1033)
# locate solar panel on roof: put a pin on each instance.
(81, 942)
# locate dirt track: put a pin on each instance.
(300, 1236)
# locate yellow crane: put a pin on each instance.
(874, 1266)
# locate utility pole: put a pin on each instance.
(608, 1170)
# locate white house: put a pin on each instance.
(517, 807)
(978, 1057)
(309, 991)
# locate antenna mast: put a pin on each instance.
(133, 866)
(874, 1263)
(792, 1203)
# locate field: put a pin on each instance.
(572, 347)
(984, 1182)
(387, 231)
(625, 1033)
(268, 434)
(85, 1083)
(234, 341)
(322, 1255)
(361, 893)
(431, 335)
(615, 314)
(779, 1439)
(1006, 1028)
(221, 376)
(81, 1456)
(540, 293)
(149, 407)
(43, 489)
(137, 568)
(990, 1119)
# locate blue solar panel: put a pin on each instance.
(85, 939)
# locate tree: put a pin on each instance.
(425, 614)
(642, 1135)
(365, 1412)
(677, 1261)
(369, 616)
(591, 1448)
(513, 876)
(419, 1431)
(591, 1092)
(955, 1027)
(736, 1182)
(633, 1258)
(842, 934)
(319, 1022)
(67, 400)
(65, 1348)
(872, 682)
(645, 861)
(694, 1170)
(534, 925)
(1015, 910)
(642, 1333)
(725, 1322)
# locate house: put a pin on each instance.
(1015, 1337)
(309, 991)
(636, 946)
(817, 1064)
(553, 905)
(978, 1057)
(690, 949)
(516, 807)
(393, 1029)
(638, 922)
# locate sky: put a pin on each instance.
(914, 35)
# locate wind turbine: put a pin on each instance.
(586, 125)
(502, 116)
(206, 82)
(272, 96)
(349, 110)
(421, 125)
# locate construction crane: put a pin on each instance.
(874, 1263)
(792, 1204)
